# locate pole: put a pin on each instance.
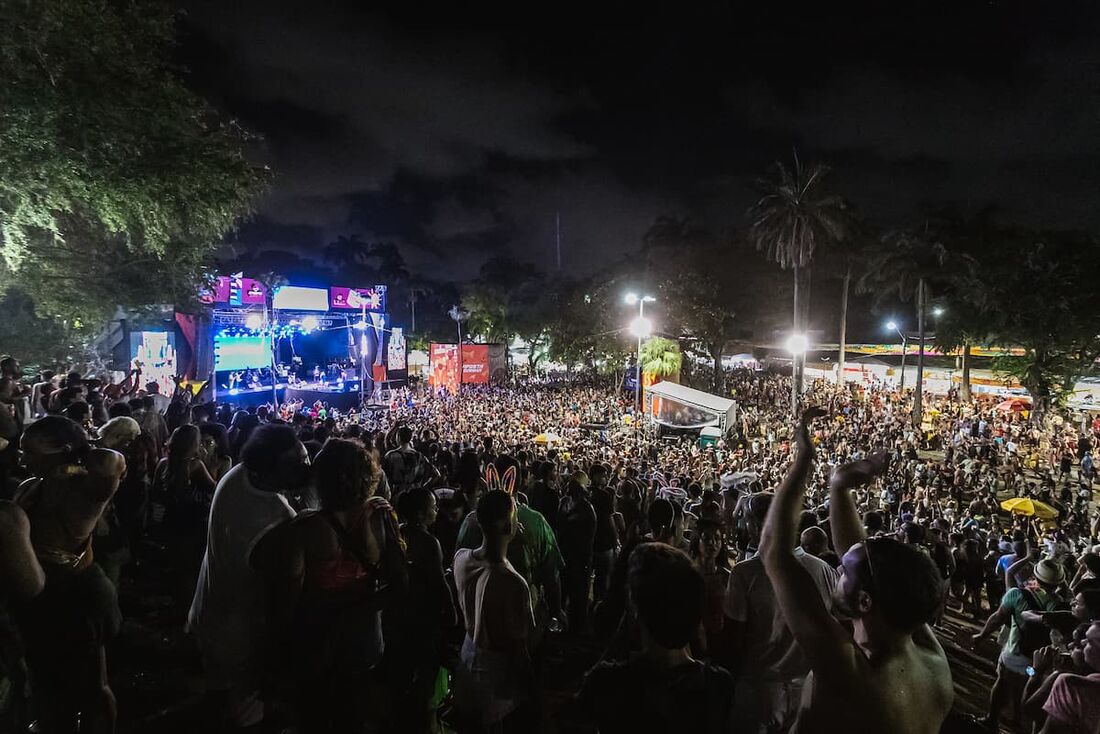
(918, 389)
(274, 357)
(638, 364)
(458, 389)
(557, 236)
(362, 361)
(904, 343)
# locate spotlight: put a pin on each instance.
(310, 323)
(631, 298)
(797, 343)
(254, 321)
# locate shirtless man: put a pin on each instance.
(67, 626)
(889, 674)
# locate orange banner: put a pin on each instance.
(475, 364)
(444, 367)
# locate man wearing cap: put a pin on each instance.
(1019, 607)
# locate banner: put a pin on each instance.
(498, 364)
(355, 299)
(475, 364)
(234, 290)
(395, 350)
(443, 370)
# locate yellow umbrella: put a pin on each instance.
(1030, 507)
(547, 438)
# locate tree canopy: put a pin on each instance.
(117, 182)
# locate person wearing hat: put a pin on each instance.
(1021, 609)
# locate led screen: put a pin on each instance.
(240, 353)
(155, 353)
(298, 298)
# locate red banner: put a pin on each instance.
(444, 367)
(475, 364)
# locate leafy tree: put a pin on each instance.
(116, 181)
(1041, 295)
(911, 264)
(790, 220)
(42, 342)
(587, 327)
(696, 303)
(504, 299)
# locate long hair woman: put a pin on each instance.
(708, 551)
(184, 488)
(343, 564)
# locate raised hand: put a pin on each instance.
(802, 429)
(858, 473)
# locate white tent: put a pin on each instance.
(680, 406)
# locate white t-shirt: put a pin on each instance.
(227, 611)
(771, 652)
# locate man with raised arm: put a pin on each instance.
(888, 674)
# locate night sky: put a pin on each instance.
(460, 132)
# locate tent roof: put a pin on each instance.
(710, 432)
(691, 396)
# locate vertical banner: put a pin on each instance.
(648, 379)
(475, 364)
(395, 352)
(498, 364)
(443, 371)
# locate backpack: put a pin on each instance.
(1032, 635)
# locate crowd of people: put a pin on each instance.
(408, 570)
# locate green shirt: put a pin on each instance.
(533, 552)
(1015, 604)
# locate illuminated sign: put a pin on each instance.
(358, 299)
(298, 298)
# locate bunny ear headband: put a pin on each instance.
(507, 483)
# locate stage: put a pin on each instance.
(249, 397)
(343, 399)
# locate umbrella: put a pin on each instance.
(1029, 507)
(547, 438)
(1014, 405)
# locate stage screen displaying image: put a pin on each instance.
(357, 299)
(395, 352)
(240, 353)
(155, 353)
(299, 298)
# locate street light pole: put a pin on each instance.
(797, 344)
(638, 364)
(904, 344)
(641, 329)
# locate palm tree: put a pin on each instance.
(661, 358)
(790, 220)
(906, 265)
(416, 289)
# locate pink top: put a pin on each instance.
(1075, 702)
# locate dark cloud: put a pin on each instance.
(461, 132)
